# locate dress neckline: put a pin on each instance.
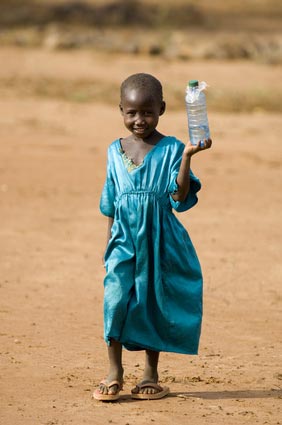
(128, 162)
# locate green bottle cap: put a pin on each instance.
(193, 83)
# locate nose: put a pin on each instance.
(140, 119)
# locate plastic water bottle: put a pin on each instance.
(195, 101)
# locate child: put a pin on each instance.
(153, 283)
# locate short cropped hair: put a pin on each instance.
(143, 81)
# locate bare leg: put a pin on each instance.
(151, 366)
(150, 372)
(115, 370)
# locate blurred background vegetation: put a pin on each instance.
(203, 30)
(249, 29)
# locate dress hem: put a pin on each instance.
(133, 346)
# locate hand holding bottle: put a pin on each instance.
(190, 149)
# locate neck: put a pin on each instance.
(152, 139)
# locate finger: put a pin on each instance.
(207, 144)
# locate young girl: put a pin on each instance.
(153, 283)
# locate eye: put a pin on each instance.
(148, 113)
(130, 113)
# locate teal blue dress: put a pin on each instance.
(153, 282)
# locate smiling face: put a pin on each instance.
(141, 112)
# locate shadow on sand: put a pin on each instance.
(216, 395)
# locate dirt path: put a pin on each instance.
(52, 237)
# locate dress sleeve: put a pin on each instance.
(108, 195)
(195, 186)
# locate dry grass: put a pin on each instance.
(87, 91)
(220, 30)
(244, 15)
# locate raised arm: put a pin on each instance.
(183, 178)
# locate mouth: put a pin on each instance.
(139, 129)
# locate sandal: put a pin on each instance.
(108, 397)
(161, 391)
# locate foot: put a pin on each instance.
(107, 387)
(144, 387)
(110, 394)
(147, 390)
(149, 377)
(110, 387)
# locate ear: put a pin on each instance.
(121, 108)
(163, 107)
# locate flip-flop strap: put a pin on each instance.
(111, 384)
(149, 385)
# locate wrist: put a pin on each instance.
(187, 154)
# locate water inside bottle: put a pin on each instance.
(198, 132)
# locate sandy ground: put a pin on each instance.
(52, 169)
